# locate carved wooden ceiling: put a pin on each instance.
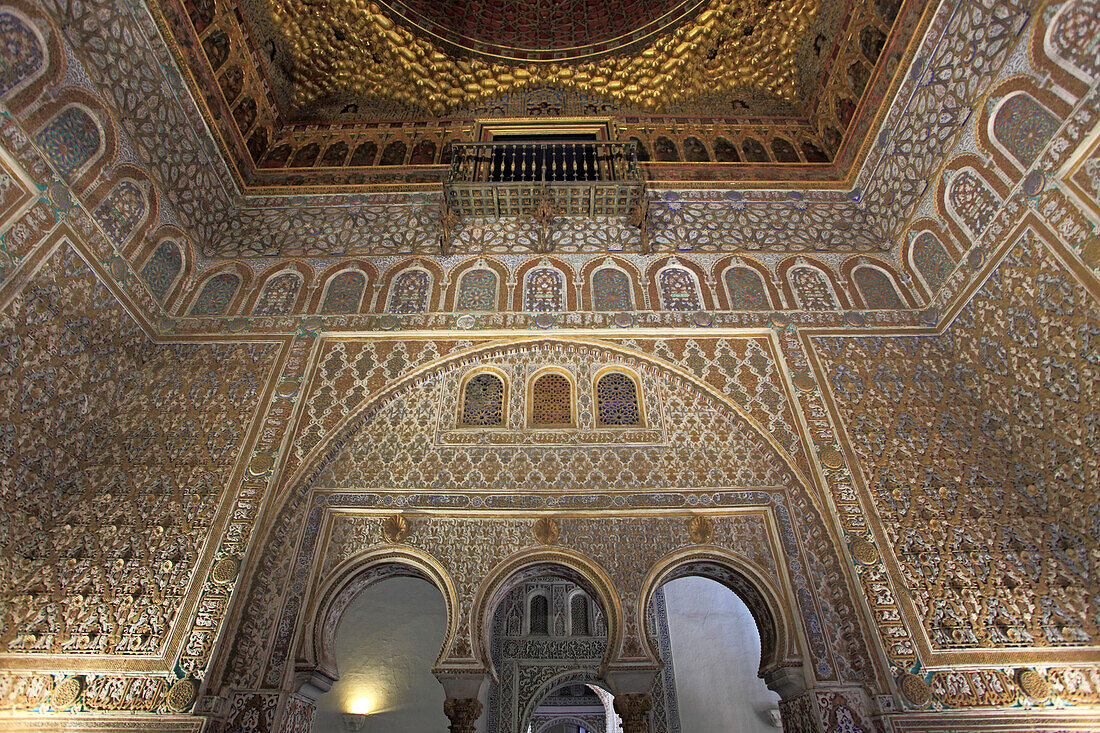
(316, 92)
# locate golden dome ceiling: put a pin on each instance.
(541, 30)
(372, 94)
(428, 55)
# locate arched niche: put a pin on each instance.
(530, 565)
(780, 647)
(325, 464)
(315, 669)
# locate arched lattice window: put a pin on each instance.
(278, 296)
(617, 400)
(216, 295)
(538, 616)
(410, 291)
(483, 401)
(679, 291)
(551, 401)
(345, 292)
(611, 290)
(578, 615)
(477, 291)
(877, 288)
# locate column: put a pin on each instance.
(633, 709)
(463, 713)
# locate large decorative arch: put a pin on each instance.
(317, 645)
(281, 526)
(526, 565)
(780, 644)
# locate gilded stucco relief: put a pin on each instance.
(903, 460)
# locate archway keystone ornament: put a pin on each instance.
(182, 694)
(396, 529)
(700, 529)
(830, 457)
(225, 570)
(864, 552)
(546, 531)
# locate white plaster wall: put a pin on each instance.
(386, 645)
(716, 654)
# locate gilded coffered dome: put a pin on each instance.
(442, 57)
(541, 30)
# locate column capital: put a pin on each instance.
(463, 713)
(633, 708)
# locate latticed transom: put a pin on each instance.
(551, 401)
(617, 400)
(578, 615)
(483, 401)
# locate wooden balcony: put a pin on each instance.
(555, 179)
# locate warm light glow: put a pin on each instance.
(360, 706)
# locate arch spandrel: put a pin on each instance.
(731, 462)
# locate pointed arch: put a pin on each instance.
(779, 640)
(875, 284)
(1016, 127)
(411, 287)
(560, 563)
(969, 195)
(279, 294)
(163, 269)
(344, 292)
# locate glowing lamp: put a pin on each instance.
(354, 720)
